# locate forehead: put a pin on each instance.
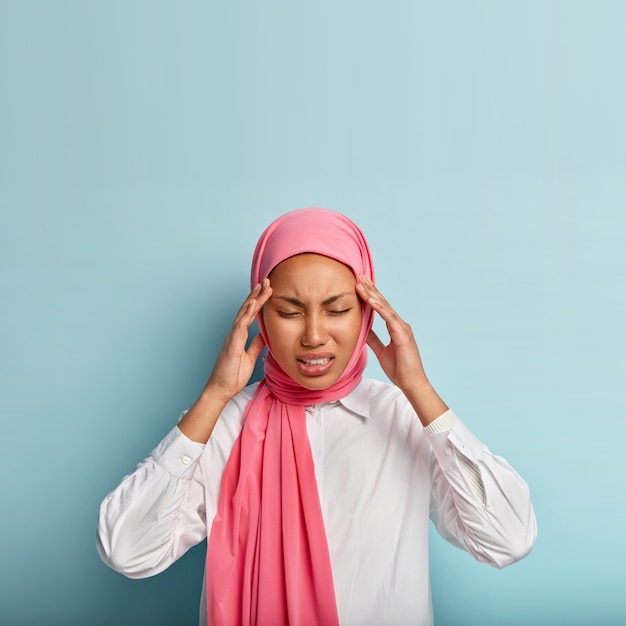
(307, 271)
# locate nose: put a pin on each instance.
(314, 333)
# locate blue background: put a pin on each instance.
(144, 146)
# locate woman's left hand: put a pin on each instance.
(400, 359)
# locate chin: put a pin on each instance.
(318, 383)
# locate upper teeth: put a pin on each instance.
(317, 361)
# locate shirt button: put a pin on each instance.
(185, 460)
(448, 451)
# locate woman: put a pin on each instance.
(315, 486)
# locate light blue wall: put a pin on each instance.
(144, 146)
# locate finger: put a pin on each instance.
(375, 299)
(253, 304)
(371, 293)
(244, 308)
(256, 347)
(374, 342)
(259, 301)
(265, 293)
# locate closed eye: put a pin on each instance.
(340, 312)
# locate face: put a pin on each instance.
(313, 318)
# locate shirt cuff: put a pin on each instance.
(451, 435)
(177, 454)
(447, 430)
(442, 424)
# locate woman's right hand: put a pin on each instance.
(234, 365)
(232, 370)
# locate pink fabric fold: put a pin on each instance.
(268, 562)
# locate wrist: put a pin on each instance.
(199, 421)
(425, 401)
(215, 394)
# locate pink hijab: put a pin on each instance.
(267, 559)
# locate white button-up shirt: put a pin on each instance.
(380, 474)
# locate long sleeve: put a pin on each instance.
(493, 520)
(161, 509)
(156, 513)
(379, 476)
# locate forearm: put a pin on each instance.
(199, 422)
(425, 400)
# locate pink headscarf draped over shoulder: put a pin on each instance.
(267, 559)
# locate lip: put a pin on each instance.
(315, 363)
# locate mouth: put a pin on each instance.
(315, 365)
(310, 362)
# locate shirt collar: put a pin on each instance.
(357, 401)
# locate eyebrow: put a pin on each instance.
(302, 305)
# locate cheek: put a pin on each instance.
(278, 333)
(353, 329)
